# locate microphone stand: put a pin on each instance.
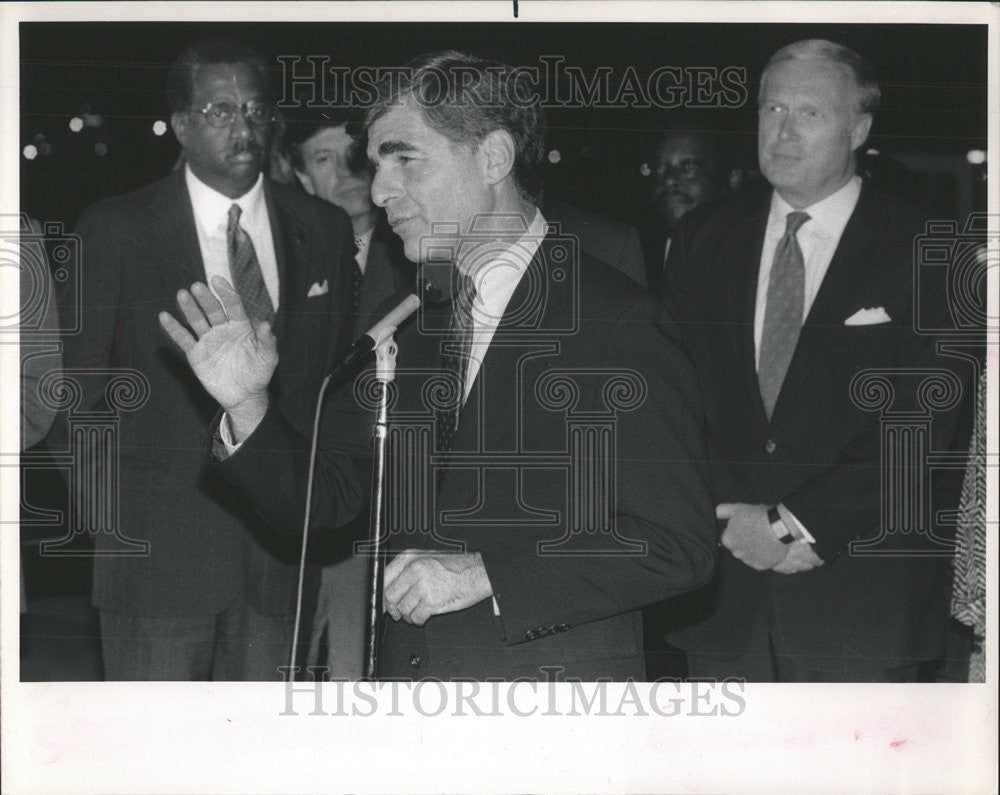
(385, 373)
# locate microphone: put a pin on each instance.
(430, 288)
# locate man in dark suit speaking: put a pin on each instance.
(784, 297)
(564, 485)
(214, 595)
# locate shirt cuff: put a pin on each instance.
(795, 527)
(496, 607)
(226, 435)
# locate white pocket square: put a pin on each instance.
(318, 289)
(868, 317)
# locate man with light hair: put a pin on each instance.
(785, 295)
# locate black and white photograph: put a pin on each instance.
(499, 397)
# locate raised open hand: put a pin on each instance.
(233, 360)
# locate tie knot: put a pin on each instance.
(234, 216)
(794, 221)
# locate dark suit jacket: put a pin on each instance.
(206, 543)
(583, 385)
(387, 273)
(388, 277)
(601, 237)
(820, 452)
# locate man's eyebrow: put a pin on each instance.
(391, 147)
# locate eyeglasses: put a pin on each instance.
(687, 169)
(223, 113)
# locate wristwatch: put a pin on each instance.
(778, 526)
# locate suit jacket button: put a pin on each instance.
(415, 660)
(770, 446)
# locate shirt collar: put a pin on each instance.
(211, 208)
(501, 281)
(827, 217)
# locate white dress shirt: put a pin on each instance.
(818, 238)
(495, 281)
(211, 219)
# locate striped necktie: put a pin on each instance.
(245, 270)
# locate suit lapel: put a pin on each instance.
(291, 251)
(175, 236)
(522, 314)
(742, 254)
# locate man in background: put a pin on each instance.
(332, 166)
(603, 238)
(213, 597)
(785, 295)
(686, 166)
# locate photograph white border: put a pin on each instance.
(231, 737)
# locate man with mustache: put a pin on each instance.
(785, 296)
(687, 167)
(214, 595)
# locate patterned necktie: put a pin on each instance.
(455, 355)
(357, 279)
(783, 312)
(245, 270)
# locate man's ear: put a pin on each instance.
(306, 181)
(860, 132)
(179, 122)
(498, 152)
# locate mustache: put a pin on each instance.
(245, 145)
(672, 194)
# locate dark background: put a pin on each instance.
(933, 79)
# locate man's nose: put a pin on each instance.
(670, 178)
(240, 127)
(787, 131)
(383, 188)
